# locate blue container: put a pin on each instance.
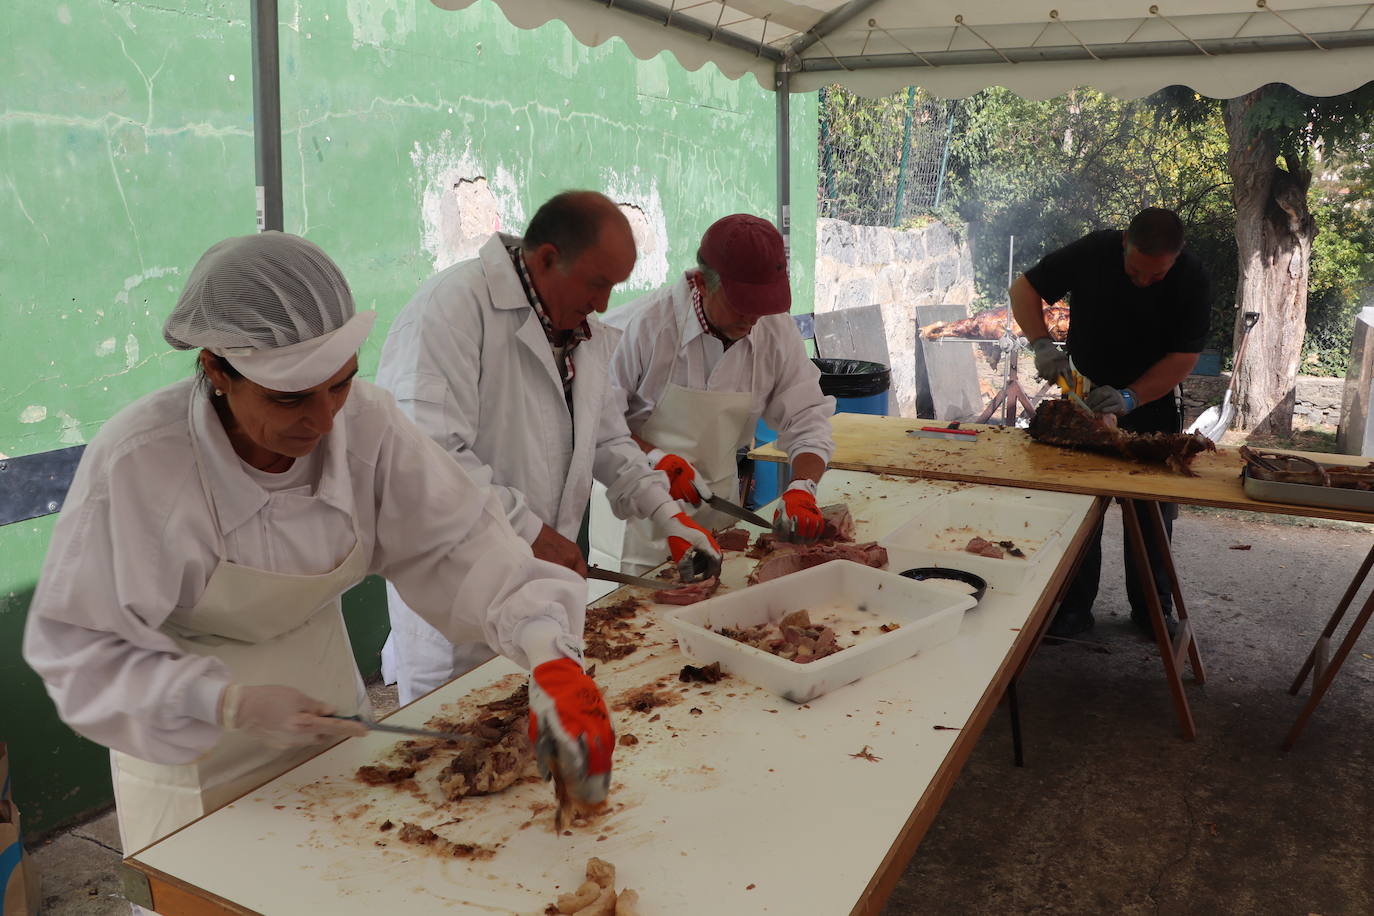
(857, 387)
(1208, 363)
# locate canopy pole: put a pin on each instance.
(267, 114)
(782, 87)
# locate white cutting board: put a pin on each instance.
(752, 806)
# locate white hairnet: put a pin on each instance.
(275, 306)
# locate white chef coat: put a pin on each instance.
(468, 360)
(135, 540)
(786, 384)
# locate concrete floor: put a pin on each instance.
(1113, 813)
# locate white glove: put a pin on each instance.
(282, 716)
(1050, 361)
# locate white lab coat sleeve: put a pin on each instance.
(447, 546)
(432, 363)
(795, 406)
(633, 486)
(92, 631)
(630, 372)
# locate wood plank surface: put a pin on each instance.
(721, 805)
(1009, 457)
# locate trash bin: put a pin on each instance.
(858, 386)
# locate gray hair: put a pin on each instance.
(709, 276)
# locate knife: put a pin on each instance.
(607, 575)
(406, 730)
(739, 512)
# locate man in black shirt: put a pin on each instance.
(1139, 311)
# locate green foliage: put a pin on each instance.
(1048, 172)
(1342, 268)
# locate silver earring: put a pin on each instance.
(218, 393)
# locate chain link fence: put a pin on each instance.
(882, 161)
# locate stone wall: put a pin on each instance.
(1318, 398)
(896, 270)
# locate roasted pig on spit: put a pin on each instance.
(1059, 422)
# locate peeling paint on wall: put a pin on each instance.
(130, 351)
(642, 206)
(137, 280)
(71, 429)
(34, 413)
(461, 201)
(105, 347)
(380, 22)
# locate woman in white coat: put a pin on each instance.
(188, 614)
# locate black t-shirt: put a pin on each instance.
(1117, 330)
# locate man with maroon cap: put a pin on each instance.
(701, 361)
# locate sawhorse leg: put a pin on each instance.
(1323, 673)
(1184, 643)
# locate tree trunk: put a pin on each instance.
(1274, 233)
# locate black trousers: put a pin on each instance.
(1162, 416)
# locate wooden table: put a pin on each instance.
(1009, 457)
(750, 805)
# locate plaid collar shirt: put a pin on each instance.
(706, 325)
(567, 340)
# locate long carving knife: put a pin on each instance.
(739, 512)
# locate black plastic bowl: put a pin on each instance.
(921, 573)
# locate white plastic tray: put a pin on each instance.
(927, 616)
(936, 537)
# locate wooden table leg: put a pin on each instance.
(1135, 543)
(1324, 674)
(1186, 639)
(1323, 642)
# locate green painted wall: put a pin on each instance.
(126, 133)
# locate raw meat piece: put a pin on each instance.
(733, 539)
(1059, 422)
(690, 593)
(786, 562)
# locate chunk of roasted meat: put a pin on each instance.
(1059, 422)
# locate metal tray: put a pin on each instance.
(1306, 494)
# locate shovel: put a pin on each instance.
(1215, 421)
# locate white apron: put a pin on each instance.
(268, 628)
(705, 427)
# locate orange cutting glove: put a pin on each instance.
(683, 534)
(684, 483)
(799, 518)
(570, 728)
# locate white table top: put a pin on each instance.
(751, 805)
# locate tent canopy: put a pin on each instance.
(1128, 48)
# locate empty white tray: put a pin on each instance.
(927, 615)
(937, 536)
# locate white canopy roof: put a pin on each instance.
(1127, 48)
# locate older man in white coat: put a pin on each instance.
(702, 360)
(499, 360)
